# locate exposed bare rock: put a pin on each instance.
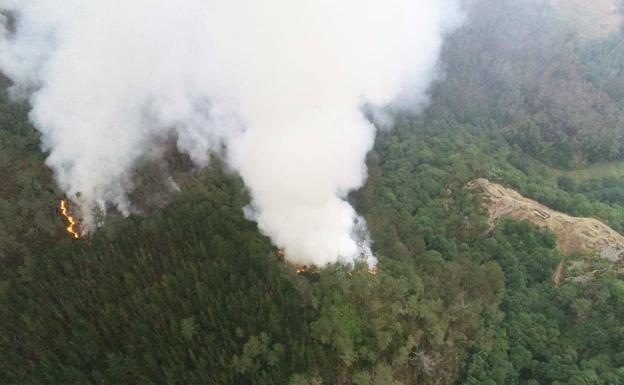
(574, 234)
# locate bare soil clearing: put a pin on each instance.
(574, 234)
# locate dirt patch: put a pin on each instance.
(574, 234)
(594, 19)
(557, 276)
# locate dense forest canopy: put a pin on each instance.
(190, 292)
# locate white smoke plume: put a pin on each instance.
(280, 84)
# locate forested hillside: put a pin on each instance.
(193, 294)
(553, 95)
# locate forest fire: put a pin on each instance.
(72, 222)
(304, 268)
(307, 269)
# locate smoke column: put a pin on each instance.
(280, 84)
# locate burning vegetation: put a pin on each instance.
(72, 228)
(313, 269)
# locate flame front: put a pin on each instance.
(72, 222)
(303, 268)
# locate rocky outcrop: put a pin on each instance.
(574, 234)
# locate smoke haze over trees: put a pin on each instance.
(520, 64)
(189, 291)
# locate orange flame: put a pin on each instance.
(72, 222)
(371, 271)
(303, 268)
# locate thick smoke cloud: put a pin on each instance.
(280, 84)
